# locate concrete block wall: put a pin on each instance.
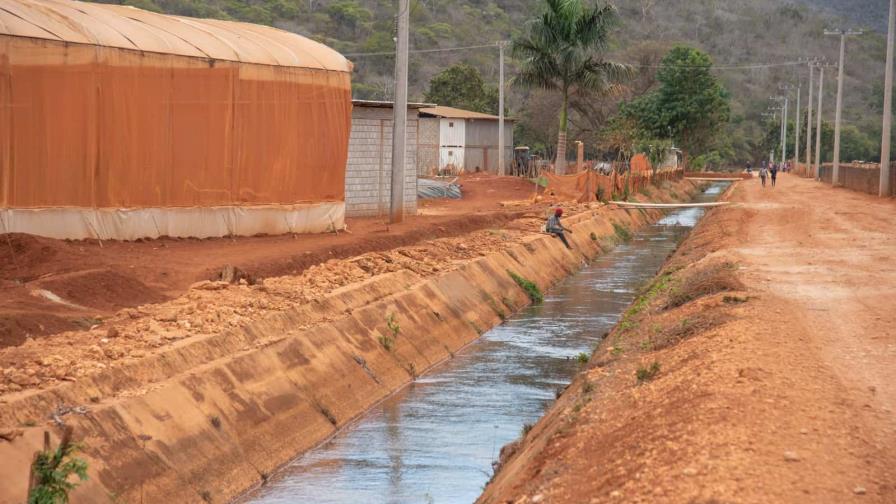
(428, 146)
(368, 174)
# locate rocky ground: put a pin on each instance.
(52, 286)
(756, 368)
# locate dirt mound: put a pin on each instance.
(25, 257)
(100, 289)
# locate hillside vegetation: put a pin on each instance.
(732, 32)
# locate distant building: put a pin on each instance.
(452, 139)
(368, 172)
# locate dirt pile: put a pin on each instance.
(719, 383)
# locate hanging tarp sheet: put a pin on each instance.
(196, 222)
(110, 107)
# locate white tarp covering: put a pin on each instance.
(195, 222)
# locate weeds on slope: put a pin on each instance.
(531, 289)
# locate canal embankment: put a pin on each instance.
(753, 368)
(229, 383)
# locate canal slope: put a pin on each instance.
(436, 440)
(757, 367)
(199, 398)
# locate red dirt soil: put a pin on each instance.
(99, 279)
(780, 389)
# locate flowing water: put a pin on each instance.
(435, 441)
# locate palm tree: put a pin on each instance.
(561, 51)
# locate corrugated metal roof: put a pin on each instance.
(456, 113)
(135, 29)
(387, 104)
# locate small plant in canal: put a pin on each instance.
(393, 324)
(622, 232)
(531, 289)
(645, 374)
(582, 358)
(215, 421)
(593, 236)
(526, 428)
(388, 342)
(52, 471)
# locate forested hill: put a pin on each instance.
(730, 31)
(870, 13)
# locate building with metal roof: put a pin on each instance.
(119, 123)
(452, 140)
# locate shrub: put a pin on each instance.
(648, 373)
(52, 470)
(582, 358)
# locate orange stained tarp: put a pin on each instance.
(98, 126)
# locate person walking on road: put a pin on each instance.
(763, 173)
(774, 173)
(555, 228)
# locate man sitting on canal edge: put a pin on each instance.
(556, 228)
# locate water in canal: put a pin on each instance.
(435, 441)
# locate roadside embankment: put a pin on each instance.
(204, 396)
(750, 370)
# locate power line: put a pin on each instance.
(744, 66)
(418, 51)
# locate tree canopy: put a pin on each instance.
(562, 50)
(690, 105)
(462, 86)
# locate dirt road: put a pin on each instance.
(759, 368)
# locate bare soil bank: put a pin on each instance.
(757, 367)
(96, 280)
(202, 397)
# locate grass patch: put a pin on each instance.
(622, 232)
(582, 358)
(705, 281)
(646, 191)
(215, 421)
(526, 429)
(531, 289)
(388, 342)
(587, 386)
(593, 236)
(645, 374)
(495, 308)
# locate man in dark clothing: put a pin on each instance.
(556, 228)
(774, 173)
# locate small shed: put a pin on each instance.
(368, 172)
(454, 140)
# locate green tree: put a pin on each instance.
(562, 50)
(690, 105)
(462, 86)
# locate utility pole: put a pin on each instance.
(501, 45)
(400, 115)
(888, 107)
(799, 122)
(809, 117)
(835, 177)
(787, 88)
(783, 132)
(818, 122)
